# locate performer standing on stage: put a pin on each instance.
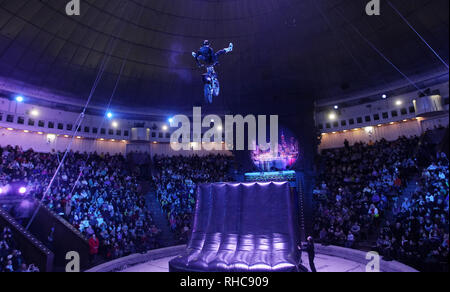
(310, 249)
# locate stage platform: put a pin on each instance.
(323, 263)
(328, 259)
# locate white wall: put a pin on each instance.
(40, 143)
(388, 132)
(166, 150)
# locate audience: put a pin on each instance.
(420, 234)
(106, 201)
(363, 188)
(11, 259)
(176, 181)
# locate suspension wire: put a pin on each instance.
(379, 52)
(82, 169)
(328, 22)
(330, 25)
(110, 48)
(418, 34)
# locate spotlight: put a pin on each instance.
(170, 120)
(384, 96)
(165, 128)
(332, 116)
(336, 107)
(2, 191)
(34, 113)
(22, 190)
(398, 102)
(19, 98)
(109, 115)
(115, 124)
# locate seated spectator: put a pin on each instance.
(11, 259)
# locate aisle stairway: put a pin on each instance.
(167, 237)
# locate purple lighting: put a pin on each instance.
(22, 190)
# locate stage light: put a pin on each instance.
(115, 124)
(66, 136)
(170, 120)
(19, 98)
(336, 107)
(4, 190)
(22, 190)
(332, 116)
(155, 142)
(78, 137)
(34, 113)
(384, 96)
(368, 129)
(109, 115)
(10, 129)
(165, 128)
(398, 102)
(26, 131)
(40, 133)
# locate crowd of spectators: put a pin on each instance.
(357, 185)
(105, 201)
(419, 234)
(176, 180)
(361, 198)
(11, 259)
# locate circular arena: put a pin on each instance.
(224, 136)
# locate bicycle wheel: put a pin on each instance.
(216, 87)
(208, 91)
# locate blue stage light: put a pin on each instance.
(19, 98)
(170, 120)
(22, 190)
(109, 115)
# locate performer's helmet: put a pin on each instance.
(206, 43)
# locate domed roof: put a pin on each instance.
(285, 50)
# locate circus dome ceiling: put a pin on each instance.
(285, 50)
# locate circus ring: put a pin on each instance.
(328, 259)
